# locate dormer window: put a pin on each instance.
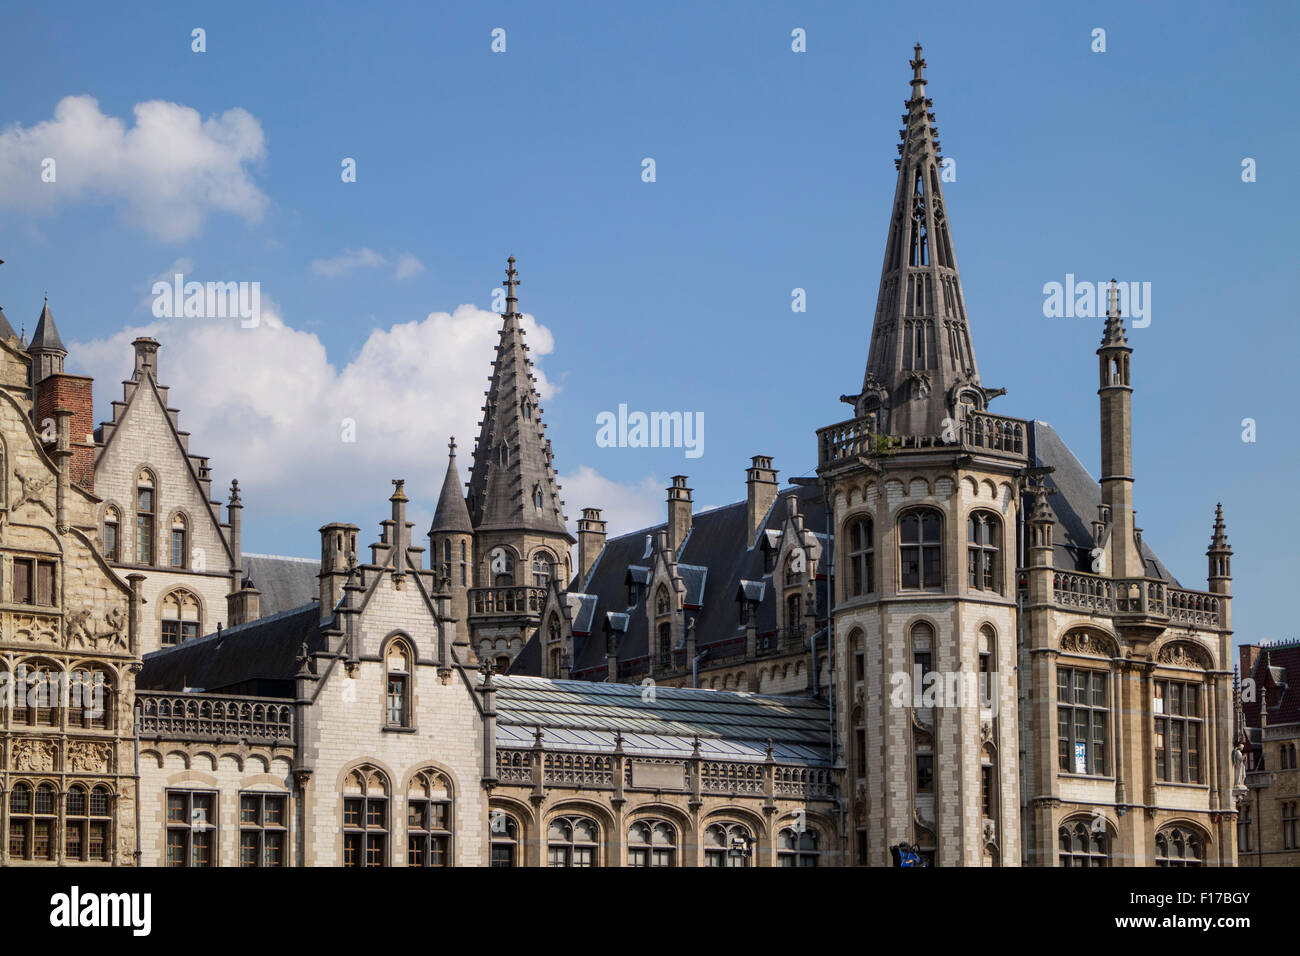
(662, 605)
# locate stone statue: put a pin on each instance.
(1239, 767)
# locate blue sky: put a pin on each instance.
(774, 171)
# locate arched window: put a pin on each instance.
(112, 534)
(503, 568)
(502, 663)
(37, 694)
(446, 558)
(90, 700)
(666, 646)
(728, 844)
(365, 818)
(1179, 846)
(572, 841)
(180, 617)
(429, 823)
(794, 615)
(862, 558)
(180, 542)
(920, 551)
(503, 832)
(543, 565)
(537, 497)
(553, 631)
(397, 690)
(792, 576)
(797, 847)
(86, 831)
(662, 604)
(145, 506)
(464, 566)
(651, 843)
(983, 545)
(1083, 843)
(33, 822)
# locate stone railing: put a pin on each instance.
(213, 717)
(718, 777)
(514, 600)
(1145, 596)
(803, 782)
(578, 770)
(995, 435)
(515, 766)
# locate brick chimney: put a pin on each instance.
(591, 540)
(60, 391)
(679, 513)
(761, 488)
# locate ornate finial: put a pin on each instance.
(398, 493)
(511, 284)
(485, 668)
(1114, 332)
(234, 491)
(918, 67)
(451, 446)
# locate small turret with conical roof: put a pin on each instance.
(46, 348)
(451, 540)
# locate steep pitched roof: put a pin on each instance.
(264, 652)
(1075, 504)
(6, 330)
(1276, 669)
(714, 561)
(451, 514)
(580, 715)
(512, 483)
(285, 583)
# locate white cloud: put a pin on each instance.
(624, 507)
(166, 173)
(405, 264)
(268, 407)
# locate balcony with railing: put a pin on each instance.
(784, 640)
(212, 717)
(512, 601)
(996, 436)
(1144, 597)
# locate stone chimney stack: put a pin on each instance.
(338, 552)
(679, 513)
(591, 541)
(761, 488)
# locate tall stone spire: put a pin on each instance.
(512, 483)
(921, 366)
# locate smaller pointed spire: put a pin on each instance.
(452, 514)
(46, 337)
(1114, 333)
(512, 286)
(1219, 540)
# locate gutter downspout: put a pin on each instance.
(830, 629)
(695, 667)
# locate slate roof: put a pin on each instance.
(285, 583)
(260, 657)
(1277, 667)
(1075, 504)
(451, 514)
(585, 716)
(713, 562)
(46, 335)
(6, 330)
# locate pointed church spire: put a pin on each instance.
(451, 513)
(512, 484)
(921, 365)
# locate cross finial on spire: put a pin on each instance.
(511, 284)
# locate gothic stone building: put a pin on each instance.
(1269, 826)
(69, 626)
